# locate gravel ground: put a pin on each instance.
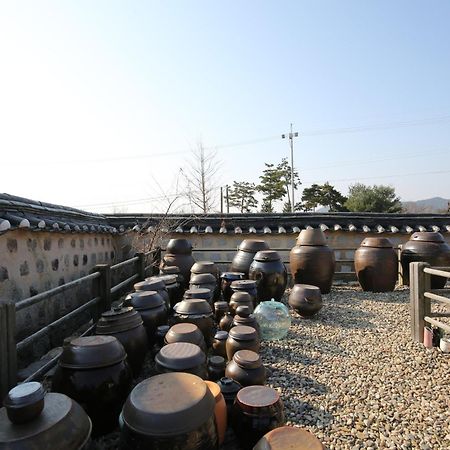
(353, 376)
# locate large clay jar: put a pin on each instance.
(172, 411)
(198, 312)
(93, 371)
(427, 247)
(244, 317)
(245, 254)
(59, 422)
(204, 281)
(242, 338)
(376, 265)
(283, 438)
(248, 286)
(270, 275)
(152, 308)
(179, 253)
(220, 411)
(126, 325)
(241, 298)
(182, 357)
(229, 389)
(204, 267)
(185, 332)
(246, 368)
(256, 411)
(173, 288)
(312, 261)
(305, 299)
(154, 284)
(226, 279)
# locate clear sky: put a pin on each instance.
(101, 101)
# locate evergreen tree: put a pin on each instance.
(242, 196)
(272, 186)
(376, 198)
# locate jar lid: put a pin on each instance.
(204, 267)
(241, 297)
(376, 242)
(253, 245)
(243, 284)
(221, 306)
(229, 386)
(243, 333)
(217, 362)
(92, 352)
(286, 437)
(145, 300)
(243, 311)
(202, 293)
(312, 236)
(117, 320)
(180, 356)
(267, 255)
(185, 332)
(162, 330)
(232, 275)
(170, 270)
(168, 279)
(24, 394)
(155, 283)
(427, 236)
(193, 306)
(221, 335)
(202, 278)
(168, 404)
(251, 397)
(247, 359)
(179, 247)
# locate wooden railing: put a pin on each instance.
(421, 296)
(103, 293)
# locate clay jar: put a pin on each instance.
(207, 267)
(204, 281)
(154, 284)
(283, 438)
(376, 265)
(182, 357)
(312, 261)
(244, 257)
(179, 253)
(256, 411)
(151, 419)
(202, 293)
(185, 332)
(174, 270)
(226, 322)
(220, 410)
(242, 298)
(220, 308)
(229, 389)
(226, 279)
(219, 344)
(58, 419)
(427, 247)
(173, 289)
(270, 275)
(305, 299)
(216, 367)
(243, 317)
(126, 325)
(246, 368)
(152, 308)
(198, 312)
(242, 338)
(93, 371)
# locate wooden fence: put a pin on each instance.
(421, 296)
(142, 265)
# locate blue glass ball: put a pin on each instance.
(273, 319)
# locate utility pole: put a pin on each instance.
(221, 199)
(291, 137)
(228, 202)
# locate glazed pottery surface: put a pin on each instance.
(284, 438)
(242, 338)
(226, 279)
(246, 368)
(229, 389)
(183, 261)
(305, 299)
(220, 410)
(185, 332)
(242, 298)
(244, 257)
(219, 344)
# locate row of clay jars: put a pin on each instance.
(179, 254)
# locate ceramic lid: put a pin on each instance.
(253, 245)
(252, 397)
(193, 306)
(243, 311)
(24, 394)
(427, 236)
(303, 289)
(202, 293)
(267, 255)
(185, 332)
(229, 386)
(62, 420)
(202, 278)
(92, 352)
(217, 362)
(168, 404)
(243, 333)
(221, 306)
(117, 320)
(179, 247)
(155, 283)
(145, 300)
(180, 356)
(376, 242)
(286, 437)
(168, 279)
(170, 270)
(312, 236)
(232, 275)
(243, 284)
(221, 335)
(204, 267)
(241, 297)
(247, 359)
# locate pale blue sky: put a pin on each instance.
(82, 82)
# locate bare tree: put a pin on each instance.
(200, 177)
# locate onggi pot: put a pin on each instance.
(244, 257)
(305, 299)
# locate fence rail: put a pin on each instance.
(421, 296)
(103, 292)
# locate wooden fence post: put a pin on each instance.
(104, 286)
(8, 352)
(400, 267)
(419, 283)
(141, 263)
(156, 261)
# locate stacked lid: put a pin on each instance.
(180, 356)
(118, 319)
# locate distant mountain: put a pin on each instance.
(429, 205)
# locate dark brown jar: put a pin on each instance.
(242, 298)
(186, 332)
(204, 281)
(226, 321)
(312, 261)
(156, 284)
(173, 289)
(179, 253)
(229, 389)
(202, 293)
(198, 312)
(93, 371)
(220, 308)
(286, 437)
(59, 419)
(270, 275)
(182, 357)
(151, 419)
(174, 270)
(126, 325)
(429, 247)
(219, 345)
(226, 279)
(246, 368)
(248, 286)
(376, 265)
(152, 308)
(242, 338)
(244, 256)
(243, 317)
(161, 332)
(216, 368)
(207, 267)
(256, 411)
(305, 299)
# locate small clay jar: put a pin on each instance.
(216, 368)
(240, 298)
(220, 411)
(185, 332)
(219, 346)
(229, 389)
(243, 317)
(225, 322)
(305, 299)
(203, 293)
(242, 338)
(246, 368)
(248, 286)
(286, 437)
(226, 279)
(220, 308)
